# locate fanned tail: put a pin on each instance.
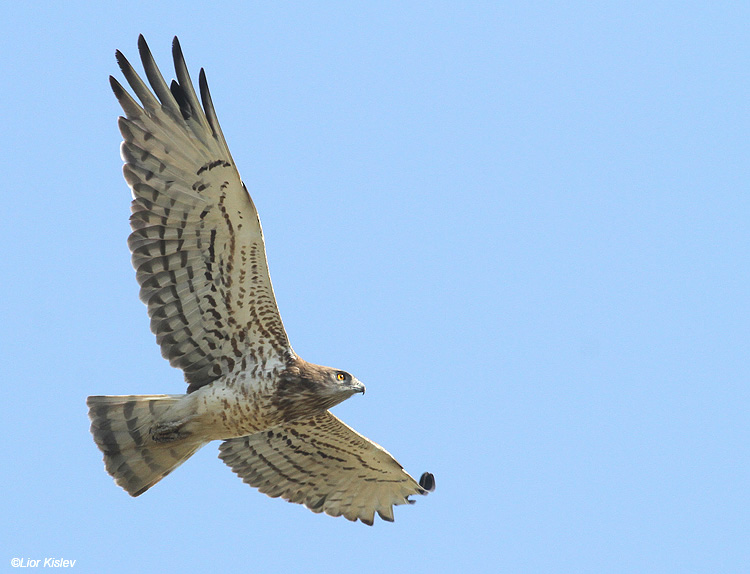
(139, 449)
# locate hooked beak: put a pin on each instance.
(358, 387)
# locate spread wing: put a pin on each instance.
(325, 465)
(197, 244)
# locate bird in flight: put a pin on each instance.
(200, 260)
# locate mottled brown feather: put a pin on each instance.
(324, 464)
(197, 243)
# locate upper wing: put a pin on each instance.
(325, 465)
(197, 243)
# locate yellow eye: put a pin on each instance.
(341, 377)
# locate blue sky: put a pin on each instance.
(523, 225)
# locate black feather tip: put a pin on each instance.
(427, 481)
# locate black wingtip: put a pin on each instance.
(205, 93)
(182, 100)
(116, 87)
(177, 50)
(427, 481)
(121, 59)
(143, 47)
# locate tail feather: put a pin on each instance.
(135, 455)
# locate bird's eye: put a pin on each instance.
(341, 377)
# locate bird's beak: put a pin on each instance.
(358, 387)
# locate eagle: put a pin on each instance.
(200, 260)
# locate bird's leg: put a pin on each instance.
(168, 432)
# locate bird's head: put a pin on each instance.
(341, 383)
(308, 388)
